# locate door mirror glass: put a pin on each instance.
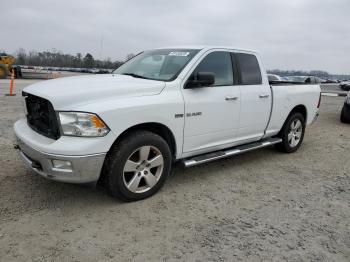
(201, 79)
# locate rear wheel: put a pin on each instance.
(292, 133)
(137, 166)
(3, 72)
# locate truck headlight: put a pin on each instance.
(82, 124)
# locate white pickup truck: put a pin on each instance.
(124, 130)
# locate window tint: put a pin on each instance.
(218, 63)
(250, 69)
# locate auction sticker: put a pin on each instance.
(179, 53)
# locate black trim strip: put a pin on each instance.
(236, 70)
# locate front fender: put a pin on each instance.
(122, 114)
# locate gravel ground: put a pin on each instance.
(260, 206)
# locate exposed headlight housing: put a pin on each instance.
(82, 124)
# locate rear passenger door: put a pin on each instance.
(255, 98)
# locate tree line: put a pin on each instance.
(318, 73)
(56, 58)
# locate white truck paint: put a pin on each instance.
(200, 120)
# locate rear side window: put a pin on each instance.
(249, 68)
(220, 64)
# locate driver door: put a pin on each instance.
(212, 112)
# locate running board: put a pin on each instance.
(197, 160)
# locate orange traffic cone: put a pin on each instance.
(11, 83)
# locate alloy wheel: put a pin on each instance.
(143, 169)
(295, 132)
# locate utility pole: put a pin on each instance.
(101, 47)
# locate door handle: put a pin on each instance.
(264, 96)
(230, 98)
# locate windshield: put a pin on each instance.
(159, 64)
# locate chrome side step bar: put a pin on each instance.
(197, 160)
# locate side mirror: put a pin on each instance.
(201, 79)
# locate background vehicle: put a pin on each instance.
(194, 104)
(273, 77)
(345, 85)
(345, 112)
(329, 81)
(6, 65)
(305, 79)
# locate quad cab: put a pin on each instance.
(191, 104)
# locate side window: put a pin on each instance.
(218, 63)
(250, 69)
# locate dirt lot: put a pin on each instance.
(260, 206)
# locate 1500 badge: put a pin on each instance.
(189, 114)
(193, 114)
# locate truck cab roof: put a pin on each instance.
(207, 47)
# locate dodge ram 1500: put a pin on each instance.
(193, 104)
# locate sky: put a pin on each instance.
(289, 34)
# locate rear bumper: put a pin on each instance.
(315, 118)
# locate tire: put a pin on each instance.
(128, 173)
(290, 132)
(345, 87)
(343, 118)
(3, 72)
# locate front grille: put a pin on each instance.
(41, 116)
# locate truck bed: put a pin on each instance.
(288, 95)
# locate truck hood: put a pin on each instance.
(67, 92)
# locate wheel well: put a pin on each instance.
(157, 128)
(302, 110)
(298, 109)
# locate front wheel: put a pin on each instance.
(137, 166)
(292, 133)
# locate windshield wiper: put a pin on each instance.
(135, 75)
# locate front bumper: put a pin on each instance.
(82, 168)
